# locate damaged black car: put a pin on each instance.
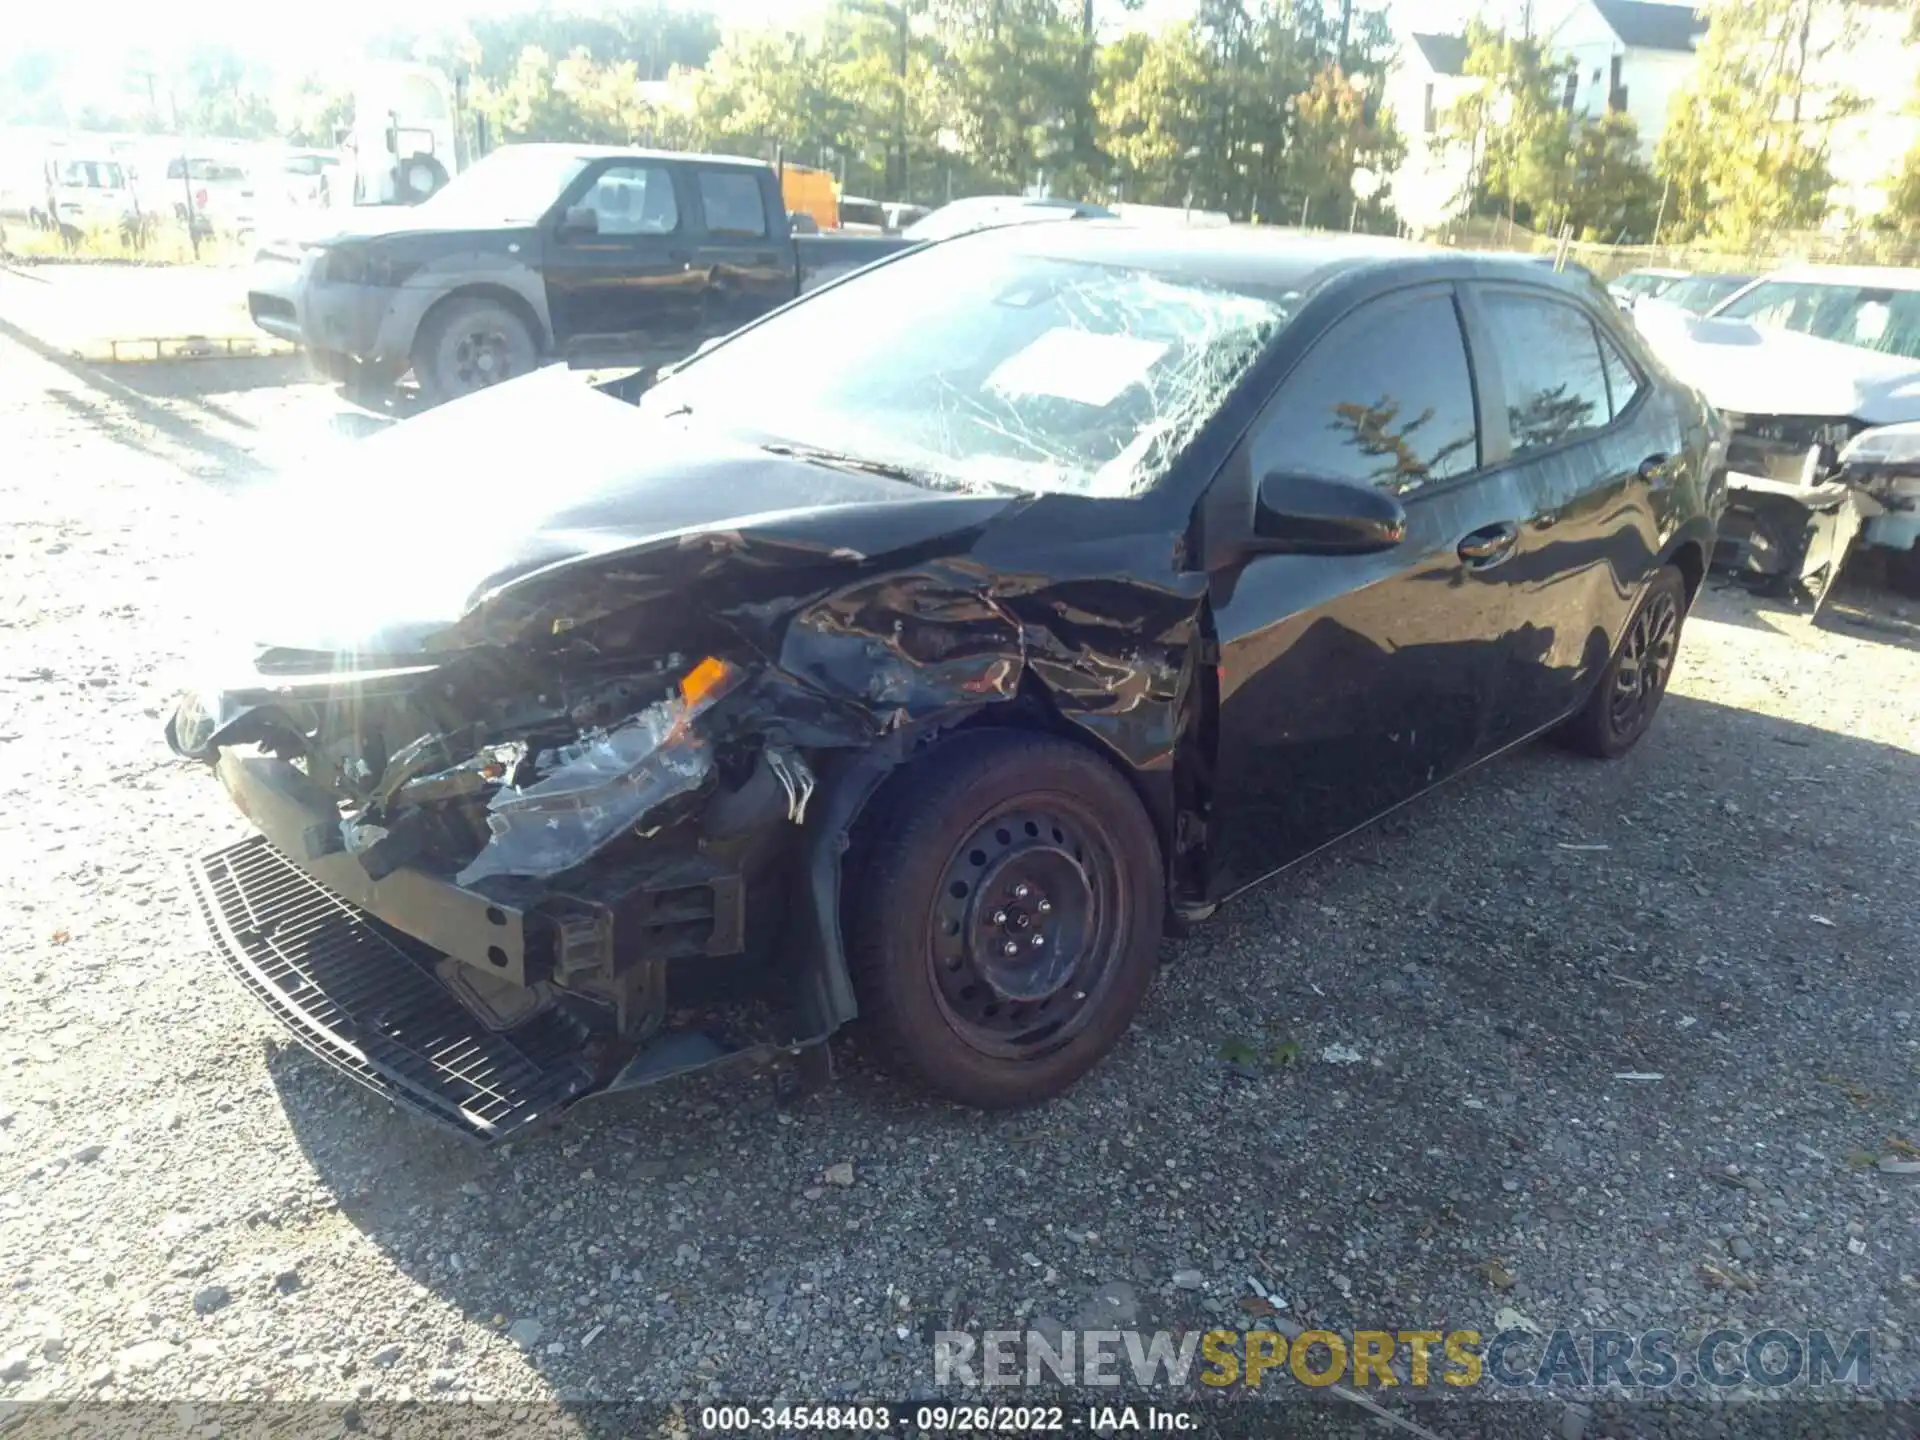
(922, 653)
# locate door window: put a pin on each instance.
(1385, 398)
(1556, 387)
(732, 202)
(634, 200)
(1623, 382)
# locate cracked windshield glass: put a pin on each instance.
(982, 363)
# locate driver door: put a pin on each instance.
(1350, 684)
(621, 285)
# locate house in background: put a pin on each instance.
(1628, 56)
(1620, 55)
(1427, 79)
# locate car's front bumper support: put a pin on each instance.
(1790, 537)
(303, 823)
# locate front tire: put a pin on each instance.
(468, 345)
(1622, 705)
(1003, 916)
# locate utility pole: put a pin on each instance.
(900, 98)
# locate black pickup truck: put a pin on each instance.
(588, 254)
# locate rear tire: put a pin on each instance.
(1628, 694)
(1000, 842)
(470, 344)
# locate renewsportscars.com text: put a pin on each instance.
(1417, 1359)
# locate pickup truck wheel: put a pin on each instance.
(467, 345)
(1003, 916)
(1622, 705)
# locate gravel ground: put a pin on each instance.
(192, 1209)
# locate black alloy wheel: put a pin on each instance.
(1628, 694)
(1646, 661)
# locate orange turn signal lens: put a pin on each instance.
(702, 679)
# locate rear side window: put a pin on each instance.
(1384, 398)
(732, 203)
(1556, 384)
(1623, 384)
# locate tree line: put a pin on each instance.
(1745, 154)
(1264, 109)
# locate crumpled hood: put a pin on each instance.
(405, 541)
(1750, 370)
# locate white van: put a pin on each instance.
(89, 191)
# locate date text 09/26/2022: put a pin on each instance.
(943, 1419)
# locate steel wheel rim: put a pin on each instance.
(482, 358)
(1646, 663)
(1023, 1002)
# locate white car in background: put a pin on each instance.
(90, 192)
(222, 190)
(1810, 365)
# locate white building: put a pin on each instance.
(1621, 55)
(1426, 80)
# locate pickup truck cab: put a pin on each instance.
(587, 254)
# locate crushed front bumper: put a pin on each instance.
(365, 998)
(369, 974)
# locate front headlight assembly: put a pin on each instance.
(1884, 446)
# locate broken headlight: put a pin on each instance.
(586, 793)
(1884, 445)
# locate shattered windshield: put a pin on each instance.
(978, 363)
(1871, 317)
(514, 183)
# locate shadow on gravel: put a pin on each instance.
(1862, 605)
(234, 463)
(1603, 1014)
(191, 379)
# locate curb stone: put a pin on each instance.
(149, 348)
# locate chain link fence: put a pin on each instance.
(1607, 261)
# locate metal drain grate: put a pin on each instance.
(363, 997)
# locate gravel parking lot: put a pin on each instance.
(1386, 1087)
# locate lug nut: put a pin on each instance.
(1020, 891)
(1045, 907)
(1012, 947)
(1039, 942)
(999, 917)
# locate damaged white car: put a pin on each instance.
(1817, 372)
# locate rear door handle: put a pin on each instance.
(1489, 545)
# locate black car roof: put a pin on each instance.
(1266, 257)
(634, 152)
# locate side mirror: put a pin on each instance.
(801, 223)
(1306, 515)
(580, 220)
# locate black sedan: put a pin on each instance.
(928, 676)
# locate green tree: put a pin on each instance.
(1153, 100)
(1611, 195)
(1520, 139)
(1333, 135)
(1745, 148)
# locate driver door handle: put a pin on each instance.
(1489, 545)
